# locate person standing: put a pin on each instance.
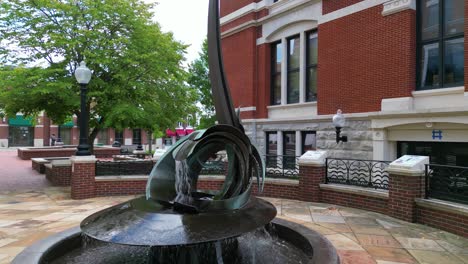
(53, 138)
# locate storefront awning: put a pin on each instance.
(68, 124)
(19, 120)
(170, 133)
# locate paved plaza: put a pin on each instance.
(17, 174)
(31, 210)
(360, 237)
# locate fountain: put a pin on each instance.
(176, 222)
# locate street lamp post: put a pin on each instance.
(83, 76)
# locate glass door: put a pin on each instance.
(21, 136)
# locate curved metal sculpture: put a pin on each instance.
(174, 179)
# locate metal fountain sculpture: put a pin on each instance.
(176, 222)
(175, 212)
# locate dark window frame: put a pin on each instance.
(290, 70)
(440, 39)
(119, 136)
(309, 65)
(303, 138)
(275, 73)
(267, 144)
(136, 142)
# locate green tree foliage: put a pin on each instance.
(138, 80)
(199, 80)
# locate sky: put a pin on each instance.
(187, 19)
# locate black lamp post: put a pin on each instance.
(83, 76)
(339, 122)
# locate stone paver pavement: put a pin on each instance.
(360, 237)
(17, 174)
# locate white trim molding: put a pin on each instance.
(349, 10)
(248, 109)
(395, 6)
(252, 7)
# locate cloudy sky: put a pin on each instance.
(187, 19)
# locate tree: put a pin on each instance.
(199, 80)
(137, 79)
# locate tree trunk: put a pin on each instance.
(91, 139)
(150, 140)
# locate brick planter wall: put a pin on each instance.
(403, 190)
(123, 187)
(451, 222)
(310, 178)
(29, 153)
(83, 178)
(58, 175)
(38, 167)
(355, 201)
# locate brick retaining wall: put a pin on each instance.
(449, 221)
(58, 175)
(29, 153)
(355, 201)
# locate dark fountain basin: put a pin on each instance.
(280, 241)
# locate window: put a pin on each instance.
(119, 137)
(311, 67)
(136, 137)
(309, 141)
(103, 137)
(289, 150)
(271, 148)
(276, 58)
(294, 48)
(441, 43)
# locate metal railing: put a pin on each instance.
(214, 167)
(282, 166)
(363, 173)
(448, 183)
(117, 168)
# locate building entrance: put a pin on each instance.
(443, 153)
(21, 136)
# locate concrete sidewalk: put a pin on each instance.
(17, 174)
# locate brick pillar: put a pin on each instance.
(407, 183)
(312, 173)
(83, 177)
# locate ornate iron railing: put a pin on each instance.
(282, 166)
(364, 173)
(448, 183)
(116, 168)
(214, 167)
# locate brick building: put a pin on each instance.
(394, 67)
(23, 132)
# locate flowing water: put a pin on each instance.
(183, 184)
(258, 247)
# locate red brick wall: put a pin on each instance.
(239, 21)
(355, 201)
(277, 190)
(450, 222)
(366, 56)
(27, 154)
(239, 54)
(115, 188)
(329, 6)
(263, 80)
(83, 181)
(402, 192)
(3, 132)
(59, 176)
(229, 6)
(39, 167)
(309, 180)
